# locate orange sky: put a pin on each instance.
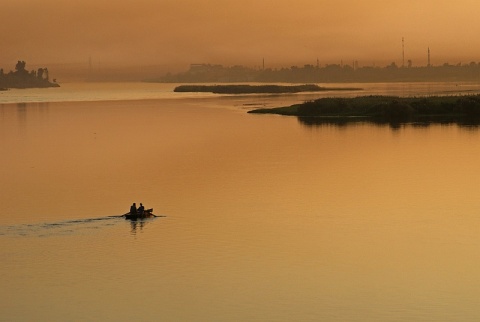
(176, 33)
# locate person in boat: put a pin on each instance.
(133, 209)
(141, 209)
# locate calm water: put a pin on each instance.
(266, 218)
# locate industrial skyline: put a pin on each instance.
(174, 34)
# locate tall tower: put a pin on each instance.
(428, 65)
(403, 52)
(90, 66)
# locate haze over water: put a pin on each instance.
(267, 219)
(261, 217)
(168, 36)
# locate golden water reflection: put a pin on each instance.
(137, 226)
(266, 219)
(469, 123)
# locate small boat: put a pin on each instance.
(147, 213)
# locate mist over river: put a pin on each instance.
(264, 217)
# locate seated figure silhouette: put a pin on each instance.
(133, 209)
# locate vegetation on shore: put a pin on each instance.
(21, 78)
(256, 89)
(385, 108)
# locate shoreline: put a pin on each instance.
(258, 89)
(30, 85)
(464, 108)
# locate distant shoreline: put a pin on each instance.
(464, 108)
(30, 85)
(329, 73)
(258, 89)
(21, 78)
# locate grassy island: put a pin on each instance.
(257, 89)
(386, 108)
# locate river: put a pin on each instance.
(262, 217)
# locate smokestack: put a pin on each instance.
(428, 65)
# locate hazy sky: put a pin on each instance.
(284, 32)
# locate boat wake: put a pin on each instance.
(59, 228)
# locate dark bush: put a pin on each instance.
(469, 106)
(394, 110)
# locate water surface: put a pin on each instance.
(267, 218)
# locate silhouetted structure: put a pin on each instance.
(333, 73)
(428, 64)
(21, 78)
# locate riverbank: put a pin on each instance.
(28, 84)
(22, 79)
(388, 108)
(257, 89)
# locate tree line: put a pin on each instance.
(22, 78)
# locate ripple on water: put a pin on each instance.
(59, 228)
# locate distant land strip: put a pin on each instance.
(463, 108)
(259, 89)
(330, 73)
(22, 78)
